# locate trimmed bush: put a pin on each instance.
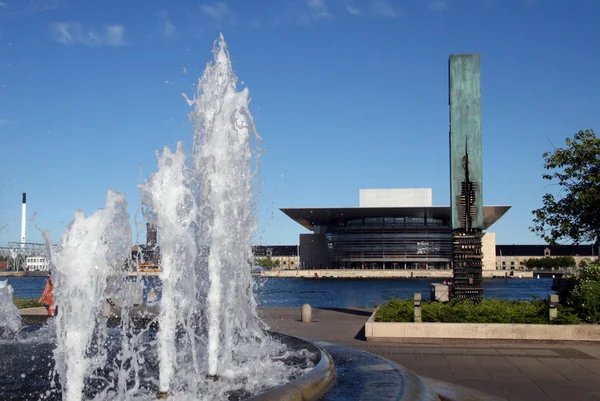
(486, 311)
(585, 294)
(26, 303)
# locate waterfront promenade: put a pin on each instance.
(514, 371)
(382, 273)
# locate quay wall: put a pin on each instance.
(24, 274)
(377, 273)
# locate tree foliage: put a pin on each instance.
(573, 215)
(549, 262)
(266, 263)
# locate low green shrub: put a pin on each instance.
(26, 303)
(486, 311)
(582, 293)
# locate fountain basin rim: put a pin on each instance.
(310, 386)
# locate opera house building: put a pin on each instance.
(391, 229)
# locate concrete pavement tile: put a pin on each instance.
(434, 366)
(487, 386)
(540, 373)
(572, 353)
(542, 352)
(501, 370)
(593, 365)
(512, 351)
(384, 348)
(580, 376)
(441, 351)
(523, 392)
(454, 351)
(467, 367)
(573, 394)
(591, 350)
(484, 351)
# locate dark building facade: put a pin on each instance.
(379, 237)
(513, 257)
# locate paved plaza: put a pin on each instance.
(514, 371)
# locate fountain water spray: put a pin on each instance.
(203, 211)
(91, 248)
(223, 134)
(174, 211)
(10, 320)
(202, 206)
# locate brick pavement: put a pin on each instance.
(514, 371)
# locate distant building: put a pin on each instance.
(391, 229)
(287, 255)
(37, 263)
(512, 257)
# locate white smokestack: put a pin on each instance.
(23, 218)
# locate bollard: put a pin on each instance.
(306, 313)
(552, 306)
(417, 303)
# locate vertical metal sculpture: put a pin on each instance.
(466, 175)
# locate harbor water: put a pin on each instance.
(333, 293)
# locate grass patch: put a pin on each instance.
(26, 303)
(486, 311)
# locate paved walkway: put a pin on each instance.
(514, 371)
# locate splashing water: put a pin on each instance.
(223, 130)
(10, 319)
(90, 249)
(202, 206)
(207, 206)
(173, 204)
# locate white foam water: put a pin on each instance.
(224, 131)
(202, 206)
(10, 319)
(90, 250)
(173, 211)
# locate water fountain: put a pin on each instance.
(10, 320)
(210, 343)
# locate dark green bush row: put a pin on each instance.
(582, 293)
(487, 311)
(549, 262)
(26, 303)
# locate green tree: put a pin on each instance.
(573, 215)
(549, 262)
(266, 263)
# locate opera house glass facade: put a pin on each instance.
(392, 229)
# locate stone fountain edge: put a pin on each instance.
(310, 386)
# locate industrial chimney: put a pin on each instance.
(151, 236)
(23, 218)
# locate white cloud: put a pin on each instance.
(438, 5)
(166, 25)
(21, 8)
(354, 10)
(383, 8)
(318, 9)
(4, 121)
(72, 33)
(220, 12)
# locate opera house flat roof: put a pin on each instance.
(309, 217)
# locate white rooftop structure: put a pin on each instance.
(396, 197)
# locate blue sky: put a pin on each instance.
(347, 94)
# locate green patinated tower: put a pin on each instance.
(466, 191)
